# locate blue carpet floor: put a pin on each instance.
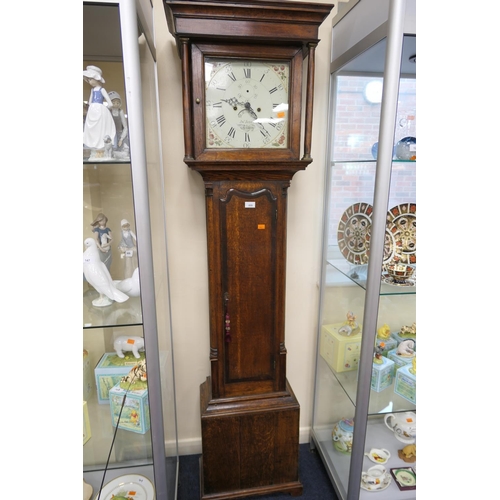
(312, 474)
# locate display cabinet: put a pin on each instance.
(129, 421)
(364, 412)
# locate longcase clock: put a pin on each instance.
(242, 71)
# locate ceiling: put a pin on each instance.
(101, 33)
(373, 59)
(102, 41)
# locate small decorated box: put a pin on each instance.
(399, 360)
(382, 374)
(110, 370)
(389, 345)
(406, 384)
(135, 413)
(86, 423)
(88, 382)
(339, 350)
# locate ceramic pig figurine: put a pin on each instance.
(128, 344)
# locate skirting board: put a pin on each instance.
(193, 446)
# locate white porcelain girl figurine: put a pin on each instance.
(103, 238)
(128, 249)
(120, 144)
(99, 123)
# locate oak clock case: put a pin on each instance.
(242, 69)
(143, 446)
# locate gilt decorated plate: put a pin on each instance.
(128, 487)
(401, 244)
(353, 232)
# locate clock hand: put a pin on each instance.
(233, 102)
(253, 114)
(247, 107)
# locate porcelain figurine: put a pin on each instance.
(136, 379)
(103, 238)
(98, 122)
(413, 369)
(350, 327)
(121, 149)
(342, 435)
(406, 349)
(108, 148)
(384, 332)
(97, 275)
(408, 454)
(408, 331)
(379, 349)
(404, 426)
(130, 286)
(128, 249)
(130, 344)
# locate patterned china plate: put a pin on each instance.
(401, 243)
(129, 487)
(389, 280)
(353, 232)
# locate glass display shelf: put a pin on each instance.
(107, 189)
(358, 274)
(386, 401)
(114, 161)
(125, 314)
(377, 436)
(129, 449)
(394, 160)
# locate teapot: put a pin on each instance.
(404, 426)
(342, 435)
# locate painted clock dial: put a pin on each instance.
(246, 103)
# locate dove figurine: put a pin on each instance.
(131, 286)
(97, 274)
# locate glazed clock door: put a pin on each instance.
(251, 256)
(246, 99)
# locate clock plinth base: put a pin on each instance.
(250, 445)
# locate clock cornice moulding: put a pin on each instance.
(263, 20)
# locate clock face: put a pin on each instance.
(246, 103)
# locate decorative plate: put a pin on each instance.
(381, 487)
(353, 232)
(402, 225)
(128, 487)
(389, 280)
(389, 246)
(406, 478)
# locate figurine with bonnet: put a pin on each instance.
(98, 123)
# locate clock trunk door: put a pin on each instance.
(251, 288)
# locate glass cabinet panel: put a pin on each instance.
(127, 337)
(345, 348)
